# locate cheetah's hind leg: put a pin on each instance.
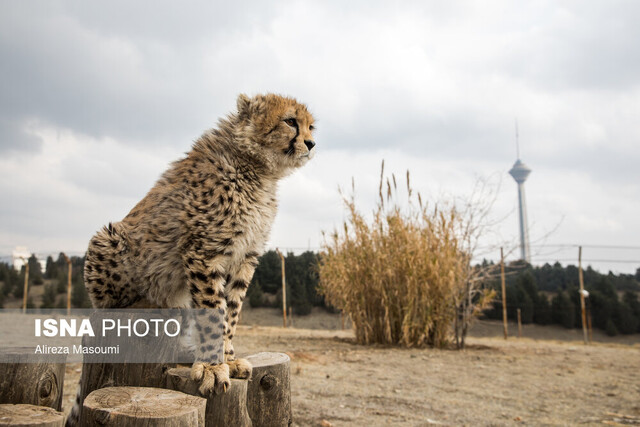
(108, 282)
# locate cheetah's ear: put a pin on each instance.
(243, 104)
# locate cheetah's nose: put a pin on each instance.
(309, 143)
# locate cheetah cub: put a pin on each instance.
(194, 239)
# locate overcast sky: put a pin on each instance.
(97, 98)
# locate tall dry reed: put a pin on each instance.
(404, 277)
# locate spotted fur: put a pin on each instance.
(195, 238)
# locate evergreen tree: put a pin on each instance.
(518, 298)
(604, 304)
(35, 272)
(255, 295)
(61, 262)
(268, 273)
(572, 274)
(573, 292)
(51, 271)
(627, 322)
(565, 310)
(542, 310)
(10, 277)
(79, 296)
(528, 283)
(18, 285)
(297, 291)
(562, 310)
(610, 328)
(49, 297)
(61, 284)
(630, 299)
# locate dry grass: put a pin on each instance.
(405, 277)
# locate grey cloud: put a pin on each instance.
(592, 45)
(154, 74)
(102, 72)
(14, 137)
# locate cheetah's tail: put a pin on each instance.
(74, 416)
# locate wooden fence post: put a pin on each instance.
(582, 308)
(589, 323)
(66, 258)
(519, 324)
(284, 291)
(26, 285)
(504, 296)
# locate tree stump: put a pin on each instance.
(269, 390)
(142, 406)
(96, 376)
(226, 409)
(100, 370)
(30, 415)
(31, 378)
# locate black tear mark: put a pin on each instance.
(291, 149)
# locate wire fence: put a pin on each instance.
(600, 256)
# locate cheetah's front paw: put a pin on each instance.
(214, 379)
(240, 368)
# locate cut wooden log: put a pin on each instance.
(142, 406)
(99, 375)
(226, 409)
(269, 390)
(103, 370)
(31, 378)
(30, 415)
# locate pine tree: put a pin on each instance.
(51, 271)
(542, 310)
(562, 310)
(49, 297)
(630, 299)
(35, 272)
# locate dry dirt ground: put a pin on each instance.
(493, 382)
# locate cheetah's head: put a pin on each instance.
(279, 127)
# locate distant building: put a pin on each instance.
(19, 257)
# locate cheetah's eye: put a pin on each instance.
(311, 127)
(291, 122)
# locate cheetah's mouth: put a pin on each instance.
(306, 156)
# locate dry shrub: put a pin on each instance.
(405, 278)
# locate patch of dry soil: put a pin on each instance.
(493, 382)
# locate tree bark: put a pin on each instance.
(269, 390)
(226, 409)
(30, 415)
(31, 378)
(142, 406)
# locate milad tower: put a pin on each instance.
(520, 172)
